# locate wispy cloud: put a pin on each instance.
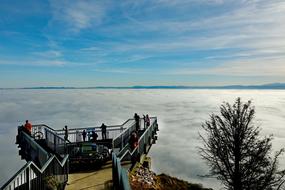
(78, 15)
(49, 54)
(33, 62)
(186, 36)
(253, 31)
(268, 67)
(253, 28)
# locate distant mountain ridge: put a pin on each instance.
(264, 86)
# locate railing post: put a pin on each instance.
(129, 133)
(54, 143)
(122, 142)
(28, 178)
(46, 137)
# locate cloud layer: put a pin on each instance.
(180, 115)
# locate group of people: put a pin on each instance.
(146, 120)
(134, 139)
(92, 136)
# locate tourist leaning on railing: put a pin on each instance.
(65, 133)
(137, 120)
(84, 135)
(28, 127)
(134, 140)
(104, 131)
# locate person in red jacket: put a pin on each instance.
(28, 127)
(134, 140)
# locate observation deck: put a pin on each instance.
(57, 163)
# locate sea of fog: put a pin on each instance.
(180, 115)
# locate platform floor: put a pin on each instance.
(100, 179)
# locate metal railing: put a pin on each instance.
(52, 169)
(122, 139)
(144, 141)
(31, 149)
(56, 143)
(31, 176)
(120, 175)
(75, 134)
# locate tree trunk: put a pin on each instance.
(237, 154)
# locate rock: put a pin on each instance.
(143, 178)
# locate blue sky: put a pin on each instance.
(144, 42)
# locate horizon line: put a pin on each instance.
(260, 86)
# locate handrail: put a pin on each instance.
(126, 132)
(151, 127)
(127, 128)
(120, 177)
(109, 126)
(58, 145)
(33, 141)
(50, 160)
(33, 147)
(42, 125)
(16, 174)
(40, 170)
(123, 130)
(81, 128)
(73, 132)
(34, 171)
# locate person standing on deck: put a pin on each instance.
(89, 135)
(28, 127)
(147, 120)
(104, 131)
(137, 120)
(84, 135)
(144, 121)
(133, 141)
(94, 136)
(65, 133)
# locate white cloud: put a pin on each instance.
(243, 27)
(91, 49)
(253, 31)
(79, 15)
(37, 58)
(49, 54)
(263, 67)
(122, 70)
(33, 61)
(180, 115)
(260, 67)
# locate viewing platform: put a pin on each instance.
(57, 159)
